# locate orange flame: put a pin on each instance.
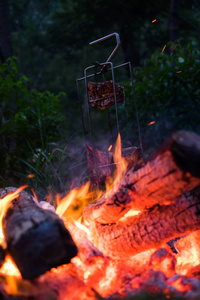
(9, 267)
(11, 272)
(72, 205)
(5, 202)
(153, 21)
(120, 164)
(65, 202)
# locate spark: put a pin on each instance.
(153, 21)
(110, 147)
(173, 48)
(163, 49)
(152, 122)
(30, 176)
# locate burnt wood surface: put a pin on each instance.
(171, 171)
(149, 229)
(36, 238)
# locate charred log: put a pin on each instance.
(173, 170)
(150, 228)
(36, 238)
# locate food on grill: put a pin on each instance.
(101, 94)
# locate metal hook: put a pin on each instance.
(105, 38)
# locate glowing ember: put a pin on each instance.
(189, 253)
(5, 202)
(153, 21)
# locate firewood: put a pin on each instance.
(36, 239)
(166, 175)
(149, 229)
(101, 94)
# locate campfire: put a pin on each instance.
(140, 236)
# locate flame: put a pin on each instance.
(104, 274)
(74, 194)
(153, 21)
(72, 205)
(121, 166)
(9, 267)
(11, 272)
(5, 202)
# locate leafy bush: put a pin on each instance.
(30, 121)
(167, 91)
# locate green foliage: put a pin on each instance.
(167, 90)
(30, 120)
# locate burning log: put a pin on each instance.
(101, 94)
(150, 228)
(36, 238)
(173, 170)
(87, 251)
(61, 283)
